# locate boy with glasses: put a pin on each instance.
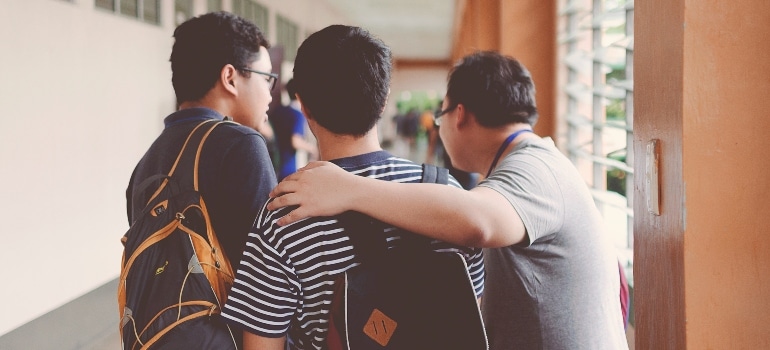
(285, 282)
(220, 68)
(552, 275)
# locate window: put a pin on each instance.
(214, 5)
(596, 79)
(286, 33)
(183, 10)
(105, 4)
(151, 11)
(145, 10)
(252, 11)
(129, 7)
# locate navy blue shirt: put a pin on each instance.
(235, 174)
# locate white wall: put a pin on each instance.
(83, 93)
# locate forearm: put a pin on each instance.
(477, 218)
(442, 212)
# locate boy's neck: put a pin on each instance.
(334, 146)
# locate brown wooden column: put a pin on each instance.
(702, 266)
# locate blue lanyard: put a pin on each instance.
(503, 147)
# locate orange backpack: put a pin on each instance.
(174, 277)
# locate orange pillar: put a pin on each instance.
(702, 265)
(478, 27)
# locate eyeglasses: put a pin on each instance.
(271, 77)
(438, 114)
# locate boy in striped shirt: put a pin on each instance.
(285, 282)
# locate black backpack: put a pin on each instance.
(408, 297)
(174, 277)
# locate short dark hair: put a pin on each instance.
(205, 44)
(496, 88)
(291, 89)
(343, 75)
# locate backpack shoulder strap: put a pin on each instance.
(434, 174)
(189, 156)
(186, 162)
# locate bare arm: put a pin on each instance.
(298, 142)
(252, 341)
(478, 218)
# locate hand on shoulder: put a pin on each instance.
(318, 189)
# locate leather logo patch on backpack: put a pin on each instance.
(380, 327)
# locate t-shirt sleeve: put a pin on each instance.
(264, 297)
(531, 187)
(247, 177)
(476, 271)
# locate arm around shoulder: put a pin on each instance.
(477, 218)
(481, 217)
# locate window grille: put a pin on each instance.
(151, 11)
(214, 5)
(105, 4)
(145, 10)
(129, 8)
(252, 11)
(287, 34)
(596, 45)
(183, 10)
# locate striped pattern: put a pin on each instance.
(285, 281)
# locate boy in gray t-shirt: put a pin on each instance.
(552, 280)
(545, 287)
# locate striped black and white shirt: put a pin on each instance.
(285, 281)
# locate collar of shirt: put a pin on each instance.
(191, 114)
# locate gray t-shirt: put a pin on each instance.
(560, 288)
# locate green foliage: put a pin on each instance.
(616, 110)
(616, 178)
(418, 100)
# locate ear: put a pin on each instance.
(387, 97)
(228, 77)
(305, 112)
(464, 118)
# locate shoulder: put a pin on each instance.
(538, 146)
(229, 129)
(301, 237)
(229, 134)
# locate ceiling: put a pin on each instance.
(418, 30)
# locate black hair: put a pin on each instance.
(291, 89)
(496, 88)
(205, 44)
(342, 75)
